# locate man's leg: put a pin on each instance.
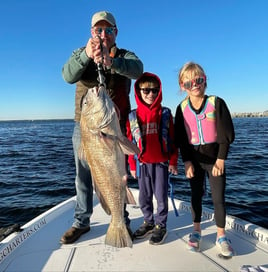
(84, 194)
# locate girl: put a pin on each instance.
(203, 132)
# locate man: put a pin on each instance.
(120, 66)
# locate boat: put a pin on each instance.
(36, 246)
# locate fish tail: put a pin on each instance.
(117, 236)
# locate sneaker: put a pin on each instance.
(224, 245)
(72, 234)
(194, 241)
(159, 235)
(143, 230)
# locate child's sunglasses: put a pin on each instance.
(148, 90)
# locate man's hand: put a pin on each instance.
(98, 51)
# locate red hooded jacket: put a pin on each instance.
(149, 119)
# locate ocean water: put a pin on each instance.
(37, 170)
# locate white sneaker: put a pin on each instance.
(224, 245)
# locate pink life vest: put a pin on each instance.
(201, 128)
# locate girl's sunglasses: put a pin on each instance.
(197, 81)
(148, 90)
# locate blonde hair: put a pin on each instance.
(191, 68)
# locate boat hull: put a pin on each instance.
(37, 247)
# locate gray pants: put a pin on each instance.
(153, 180)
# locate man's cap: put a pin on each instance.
(103, 16)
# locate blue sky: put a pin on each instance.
(228, 38)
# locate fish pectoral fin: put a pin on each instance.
(108, 141)
(127, 146)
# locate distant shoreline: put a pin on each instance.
(36, 120)
(250, 114)
(234, 115)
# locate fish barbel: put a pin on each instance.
(104, 147)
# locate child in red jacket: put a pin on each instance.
(151, 127)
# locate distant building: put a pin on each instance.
(250, 114)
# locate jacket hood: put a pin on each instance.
(140, 103)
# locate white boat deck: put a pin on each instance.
(37, 248)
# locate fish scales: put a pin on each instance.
(102, 145)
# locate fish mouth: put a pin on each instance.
(90, 96)
(98, 91)
(95, 91)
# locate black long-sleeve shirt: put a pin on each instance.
(207, 153)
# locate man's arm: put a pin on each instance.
(129, 66)
(76, 65)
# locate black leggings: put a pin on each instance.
(217, 186)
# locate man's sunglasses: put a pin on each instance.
(107, 30)
(148, 90)
(197, 81)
